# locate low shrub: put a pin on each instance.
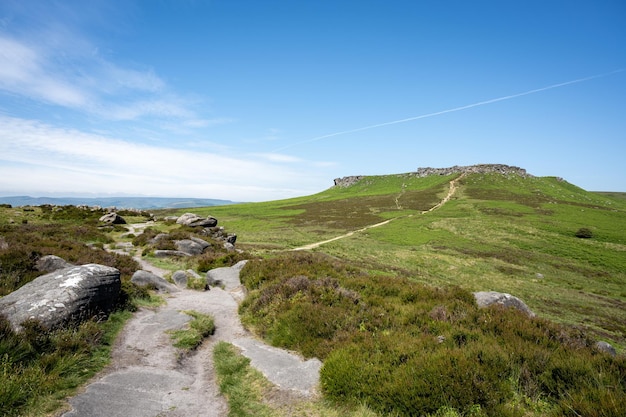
(584, 233)
(411, 349)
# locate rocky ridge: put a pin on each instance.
(470, 169)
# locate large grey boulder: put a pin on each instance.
(487, 298)
(63, 296)
(112, 218)
(148, 279)
(51, 263)
(193, 220)
(193, 246)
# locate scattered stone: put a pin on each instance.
(193, 220)
(228, 277)
(606, 348)
(180, 279)
(148, 279)
(193, 246)
(539, 276)
(167, 253)
(64, 296)
(487, 298)
(112, 218)
(51, 263)
(158, 237)
(170, 218)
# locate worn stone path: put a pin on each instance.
(148, 378)
(447, 198)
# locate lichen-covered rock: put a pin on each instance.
(193, 220)
(63, 296)
(487, 298)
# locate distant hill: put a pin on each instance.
(143, 203)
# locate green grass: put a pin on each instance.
(498, 233)
(247, 390)
(239, 383)
(39, 369)
(199, 328)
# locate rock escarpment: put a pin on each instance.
(471, 169)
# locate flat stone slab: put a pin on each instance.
(132, 393)
(282, 368)
(227, 276)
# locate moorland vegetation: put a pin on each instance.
(390, 309)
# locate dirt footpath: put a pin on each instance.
(148, 378)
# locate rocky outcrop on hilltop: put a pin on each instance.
(470, 169)
(474, 169)
(347, 181)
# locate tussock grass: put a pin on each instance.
(199, 328)
(39, 368)
(239, 383)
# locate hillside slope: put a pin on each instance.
(499, 231)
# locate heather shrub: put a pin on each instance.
(411, 349)
(584, 233)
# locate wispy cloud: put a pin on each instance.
(54, 61)
(452, 110)
(38, 157)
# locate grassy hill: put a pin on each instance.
(385, 299)
(501, 233)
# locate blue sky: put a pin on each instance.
(261, 100)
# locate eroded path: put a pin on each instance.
(451, 191)
(148, 377)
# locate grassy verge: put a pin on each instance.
(239, 383)
(200, 327)
(39, 369)
(246, 390)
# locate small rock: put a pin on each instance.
(180, 279)
(112, 218)
(606, 348)
(487, 298)
(148, 279)
(51, 263)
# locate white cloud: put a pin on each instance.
(62, 73)
(40, 157)
(22, 72)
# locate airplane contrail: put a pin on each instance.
(455, 109)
